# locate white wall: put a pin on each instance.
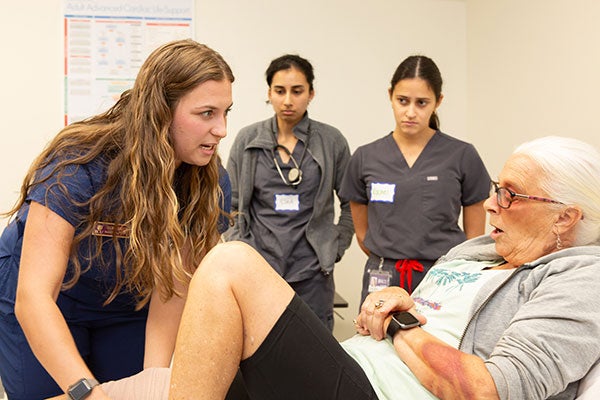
(354, 47)
(31, 105)
(533, 70)
(513, 70)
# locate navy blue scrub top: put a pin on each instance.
(84, 301)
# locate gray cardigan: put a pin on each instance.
(330, 150)
(538, 331)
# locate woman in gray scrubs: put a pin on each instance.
(284, 172)
(407, 189)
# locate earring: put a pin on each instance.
(558, 242)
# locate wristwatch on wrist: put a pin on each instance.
(401, 320)
(81, 389)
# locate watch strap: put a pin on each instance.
(392, 328)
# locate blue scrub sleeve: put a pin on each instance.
(64, 191)
(225, 200)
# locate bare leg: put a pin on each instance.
(235, 299)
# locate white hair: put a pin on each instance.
(572, 176)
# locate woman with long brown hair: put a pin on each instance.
(112, 219)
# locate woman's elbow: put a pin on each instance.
(22, 304)
(27, 300)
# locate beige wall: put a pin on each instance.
(354, 46)
(533, 70)
(31, 105)
(513, 70)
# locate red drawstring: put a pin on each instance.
(405, 268)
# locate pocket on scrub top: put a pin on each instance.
(436, 194)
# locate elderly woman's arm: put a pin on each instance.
(446, 372)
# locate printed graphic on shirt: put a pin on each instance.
(443, 285)
(453, 280)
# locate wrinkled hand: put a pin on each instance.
(377, 308)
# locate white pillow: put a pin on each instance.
(589, 387)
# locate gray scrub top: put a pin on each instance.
(280, 213)
(413, 211)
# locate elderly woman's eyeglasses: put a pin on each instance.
(505, 197)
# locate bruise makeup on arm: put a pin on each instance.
(445, 371)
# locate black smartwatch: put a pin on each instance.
(81, 389)
(401, 320)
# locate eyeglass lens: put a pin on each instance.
(503, 196)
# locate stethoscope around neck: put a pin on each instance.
(294, 175)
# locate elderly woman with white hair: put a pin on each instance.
(512, 315)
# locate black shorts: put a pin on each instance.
(300, 359)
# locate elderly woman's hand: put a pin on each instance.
(377, 308)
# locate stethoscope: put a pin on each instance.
(294, 176)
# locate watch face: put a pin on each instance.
(80, 390)
(402, 320)
(406, 319)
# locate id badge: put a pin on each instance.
(379, 279)
(383, 192)
(287, 202)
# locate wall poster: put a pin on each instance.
(106, 42)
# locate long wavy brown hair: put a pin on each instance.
(140, 193)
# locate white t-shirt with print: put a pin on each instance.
(443, 297)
